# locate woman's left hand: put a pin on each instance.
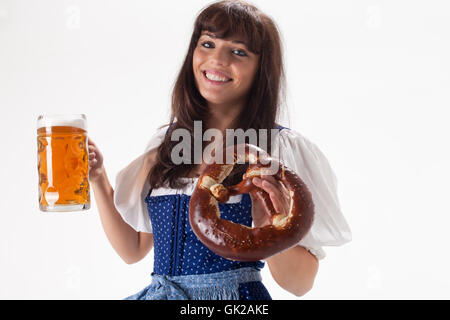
(279, 196)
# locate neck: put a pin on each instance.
(223, 116)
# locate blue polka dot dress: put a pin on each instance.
(177, 251)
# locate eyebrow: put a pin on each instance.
(212, 35)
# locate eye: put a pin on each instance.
(207, 44)
(240, 52)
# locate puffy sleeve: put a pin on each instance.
(305, 158)
(132, 186)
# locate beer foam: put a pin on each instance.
(76, 120)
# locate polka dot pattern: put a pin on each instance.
(177, 251)
(253, 291)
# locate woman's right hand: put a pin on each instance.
(95, 161)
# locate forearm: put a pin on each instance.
(123, 238)
(294, 269)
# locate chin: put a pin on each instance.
(214, 99)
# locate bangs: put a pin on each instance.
(232, 20)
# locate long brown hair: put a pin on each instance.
(225, 19)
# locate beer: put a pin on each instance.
(63, 163)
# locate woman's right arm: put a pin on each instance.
(131, 246)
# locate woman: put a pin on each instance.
(231, 78)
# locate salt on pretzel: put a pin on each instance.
(238, 242)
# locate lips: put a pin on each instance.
(216, 76)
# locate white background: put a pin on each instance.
(368, 82)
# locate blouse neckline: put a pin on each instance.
(187, 190)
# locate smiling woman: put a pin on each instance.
(224, 70)
(232, 77)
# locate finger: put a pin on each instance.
(91, 156)
(275, 203)
(255, 201)
(91, 143)
(92, 149)
(269, 187)
(263, 184)
(279, 206)
(276, 191)
(257, 181)
(276, 197)
(279, 185)
(285, 191)
(272, 190)
(271, 179)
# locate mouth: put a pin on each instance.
(216, 77)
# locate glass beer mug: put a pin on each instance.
(63, 163)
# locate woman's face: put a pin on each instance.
(224, 69)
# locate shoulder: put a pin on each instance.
(296, 141)
(162, 130)
(157, 138)
(290, 134)
(297, 150)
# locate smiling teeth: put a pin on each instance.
(214, 77)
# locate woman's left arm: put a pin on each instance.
(293, 269)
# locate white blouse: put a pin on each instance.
(295, 151)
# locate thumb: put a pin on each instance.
(90, 142)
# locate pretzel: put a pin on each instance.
(238, 242)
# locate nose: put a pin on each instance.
(220, 57)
